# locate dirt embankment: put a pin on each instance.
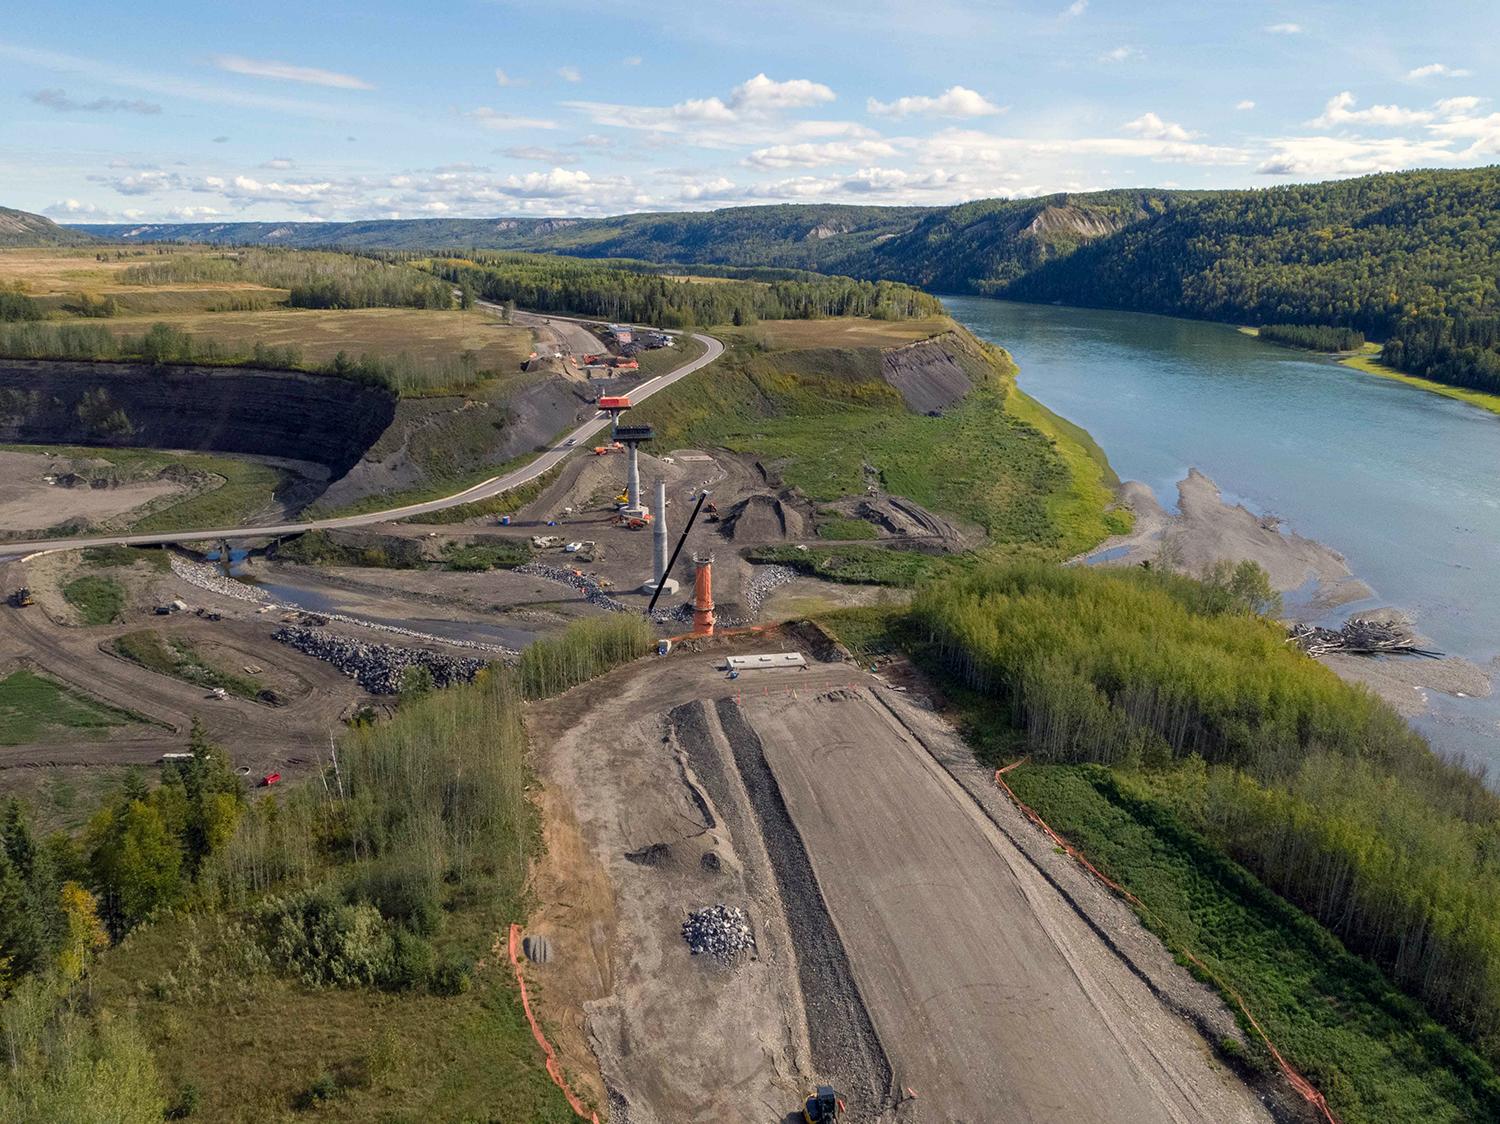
(927, 373)
(208, 409)
(445, 438)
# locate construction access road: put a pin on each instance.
(484, 490)
(993, 999)
(923, 949)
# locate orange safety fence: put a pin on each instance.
(554, 1067)
(1304, 1088)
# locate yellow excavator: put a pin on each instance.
(822, 1105)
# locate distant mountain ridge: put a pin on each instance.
(1408, 258)
(964, 247)
(22, 228)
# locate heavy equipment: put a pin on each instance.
(21, 598)
(822, 1104)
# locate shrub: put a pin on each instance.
(323, 941)
(407, 893)
(188, 1099)
(325, 1088)
(453, 976)
(411, 961)
(584, 649)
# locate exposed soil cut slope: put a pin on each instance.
(927, 374)
(226, 410)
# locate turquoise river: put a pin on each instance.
(1404, 483)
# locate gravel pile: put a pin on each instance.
(207, 576)
(765, 581)
(377, 667)
(581, 582)
(720, 931)
(211, 578)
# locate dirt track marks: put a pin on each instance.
(845, 1048)
(992, 997)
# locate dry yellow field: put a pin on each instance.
(51, 276)
(321, 334)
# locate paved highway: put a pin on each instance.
(481, 491)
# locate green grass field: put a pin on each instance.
(108, 557)
(98, 600)
(1369, 363)
(843, 528)
(180, 660)
(1375, 1054)
(1036, 484)
(34, 708)
(255, 1043)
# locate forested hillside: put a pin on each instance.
(1220, 740)
(22, 228)
(1410, 259)
(551, 283)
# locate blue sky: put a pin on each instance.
(191, 111)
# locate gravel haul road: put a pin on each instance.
(991, 996)
(484, 490)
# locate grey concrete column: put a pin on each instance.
(633, 476)
(659, 532)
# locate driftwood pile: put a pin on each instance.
(1359, 636)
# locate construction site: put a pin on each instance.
(912, 939)
(775, 883)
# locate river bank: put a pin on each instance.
(1380, 470)
(1314, 580)
(1369, 363)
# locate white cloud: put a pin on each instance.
(558, 183)
(761, 94)
(1122, 53)
(1457, 124)
(245, 187)
(570, 74)
(1351, 156)
(884, 180)
(504, 80)
(278, 163)
(956, 101)
(1285, 28)
(1455, 107)
(194, 214)
(539, 154)
(1074, 10)
(1340, 111)
(813, 155)
(59, 100)
(1436, 70)
(495, 119)
(71, 207)
(1151, 126)
(972, 149)
(631, 60)
(287, 72)
(1246, 104)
